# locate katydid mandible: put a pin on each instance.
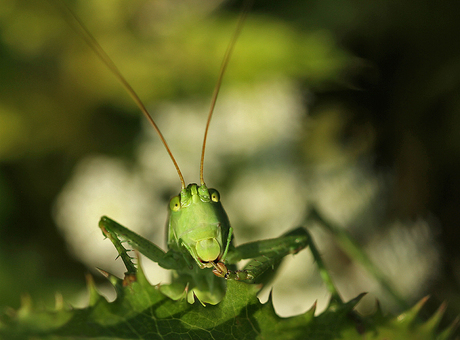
(200, 239)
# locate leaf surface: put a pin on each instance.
(141, 311)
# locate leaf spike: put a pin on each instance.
(353, 302)
(311, 312)
(410, 315)
(432, 323)
(81, 30)
(26, 305)
(223, 68)
(112, 278)
(103, 272)
(378, 306)
(449, 331)
(94, 295)
(58, 301)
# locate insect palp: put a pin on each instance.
(220, 269)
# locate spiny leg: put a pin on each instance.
(289, 243)
(122, 251)
(116, 233)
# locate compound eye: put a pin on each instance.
(215, 197)
(174, 204)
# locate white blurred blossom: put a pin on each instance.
(266, 197)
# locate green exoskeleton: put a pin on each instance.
(200, 252)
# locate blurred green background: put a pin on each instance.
(350, 106)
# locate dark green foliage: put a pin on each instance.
(141, 311)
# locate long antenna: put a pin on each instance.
(223, 67)
(81, 29)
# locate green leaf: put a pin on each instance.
(141, 311)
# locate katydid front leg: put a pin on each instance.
(116, 233)
(266, 256)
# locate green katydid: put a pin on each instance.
(200, 239)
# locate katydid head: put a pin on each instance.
(199, 223)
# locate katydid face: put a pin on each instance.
(198, 223)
